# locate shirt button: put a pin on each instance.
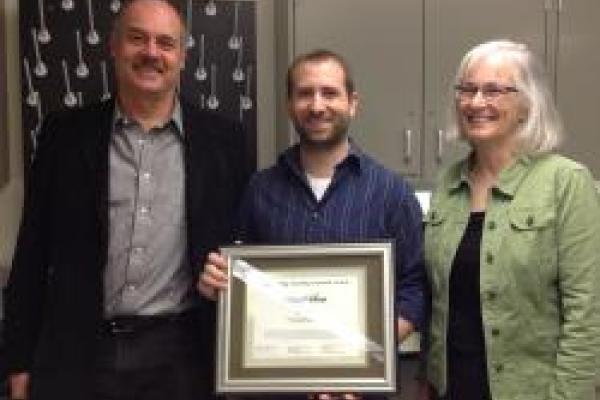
(491, 225)
(489, 258)
(144, 210)
(131, 288)
(315, 215)
(146, 176)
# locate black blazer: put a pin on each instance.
(54, 297)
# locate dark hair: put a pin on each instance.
(320, 55)
(175, 5)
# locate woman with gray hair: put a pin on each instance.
(512, 243)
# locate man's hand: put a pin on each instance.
(405, 328)
(213, 277)
(18, 384)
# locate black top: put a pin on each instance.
(467, 370)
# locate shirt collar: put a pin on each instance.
(176, 118)
(509, 180)
(355, 160)
(511, 177)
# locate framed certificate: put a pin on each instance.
(307, 318)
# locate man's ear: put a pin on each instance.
(290, 108)
(184, 57)
(111, 44)
(354, 102)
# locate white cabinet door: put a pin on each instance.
(578, 84)
(451, 29)
(383, 43)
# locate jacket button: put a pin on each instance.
(529, 220)
(489, 258)
(499, 368)
(491, 225)
(491, 296)
(495, 331)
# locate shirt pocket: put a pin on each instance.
(531, 219)
(531, 244)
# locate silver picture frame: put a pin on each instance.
(307, 318)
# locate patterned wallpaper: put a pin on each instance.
(66, 64)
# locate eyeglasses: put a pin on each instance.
(489, 91)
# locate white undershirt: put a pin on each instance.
(318, 185)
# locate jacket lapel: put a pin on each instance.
(195, 160)
(96, 154)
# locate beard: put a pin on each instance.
(334, 137)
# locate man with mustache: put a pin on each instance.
(125, 199)
(325, 189)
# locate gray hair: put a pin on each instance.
(175, 5)
(542, 129)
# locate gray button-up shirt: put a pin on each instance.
(147, 272)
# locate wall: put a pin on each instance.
(66, 60)
(3, 118)
(11, 195)
(266, 90)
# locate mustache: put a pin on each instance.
(149, 62)
(314, 116)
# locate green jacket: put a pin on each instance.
(539, 278)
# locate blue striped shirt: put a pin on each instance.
(364, 201)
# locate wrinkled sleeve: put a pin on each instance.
(28, 277)
(410, 276)
(246, 227)
(578, 244)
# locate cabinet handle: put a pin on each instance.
(549, 5)
(407, 145)
(440, 145)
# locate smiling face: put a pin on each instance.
(495, 116)
(147, 48)
(319, 104)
